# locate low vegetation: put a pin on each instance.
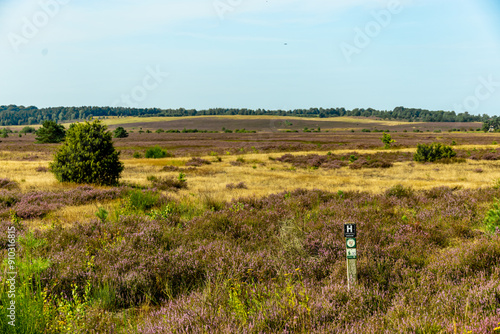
(237, 234)
(156, 152)
(433, 152)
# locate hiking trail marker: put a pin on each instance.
(351, 244)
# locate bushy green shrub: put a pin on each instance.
(28, 129)
(120, 132)
(87, 156)
(157, 153)
(433, 152)
(50, 132)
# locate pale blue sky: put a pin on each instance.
(272, 54)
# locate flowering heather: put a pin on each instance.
(39, 203)
(277, 264)
(197, 162)
(8, 184)
(353, 160)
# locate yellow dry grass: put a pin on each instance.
(262, 177)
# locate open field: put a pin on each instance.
(252, 241)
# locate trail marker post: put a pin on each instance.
(351, 244)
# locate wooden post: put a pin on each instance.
(351, 252)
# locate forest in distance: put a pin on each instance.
(21, 115)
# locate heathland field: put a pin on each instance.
(242, 231)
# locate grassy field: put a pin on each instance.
(251, 241)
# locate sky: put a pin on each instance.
(269, 54)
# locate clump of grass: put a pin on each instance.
(8, 184)
(42, 169)
(170, 168)
(197, 162)
(139, 200)
(399, 191)
(165, 183)
(240, 185)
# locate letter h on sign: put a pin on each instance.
(350, 230)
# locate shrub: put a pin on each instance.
(120, 132)
(137, 155)
(87, 156)
(433, 152)
(28, 129)
(157, 153)
(50, 132)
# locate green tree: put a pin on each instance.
(4, 133)
(120, 132)
(387, 140)
(87, 156)
(50, 132)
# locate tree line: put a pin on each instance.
(21, 115)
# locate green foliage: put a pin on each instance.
(20, 115)
(28, 129)
(157, 153)
(120, 132)
(433, 152)
(102, 214)
(492, 218)
(4, 133)
(137, 155)
(87, 156)
(50, 132)
(387, 140)
(139, 200)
